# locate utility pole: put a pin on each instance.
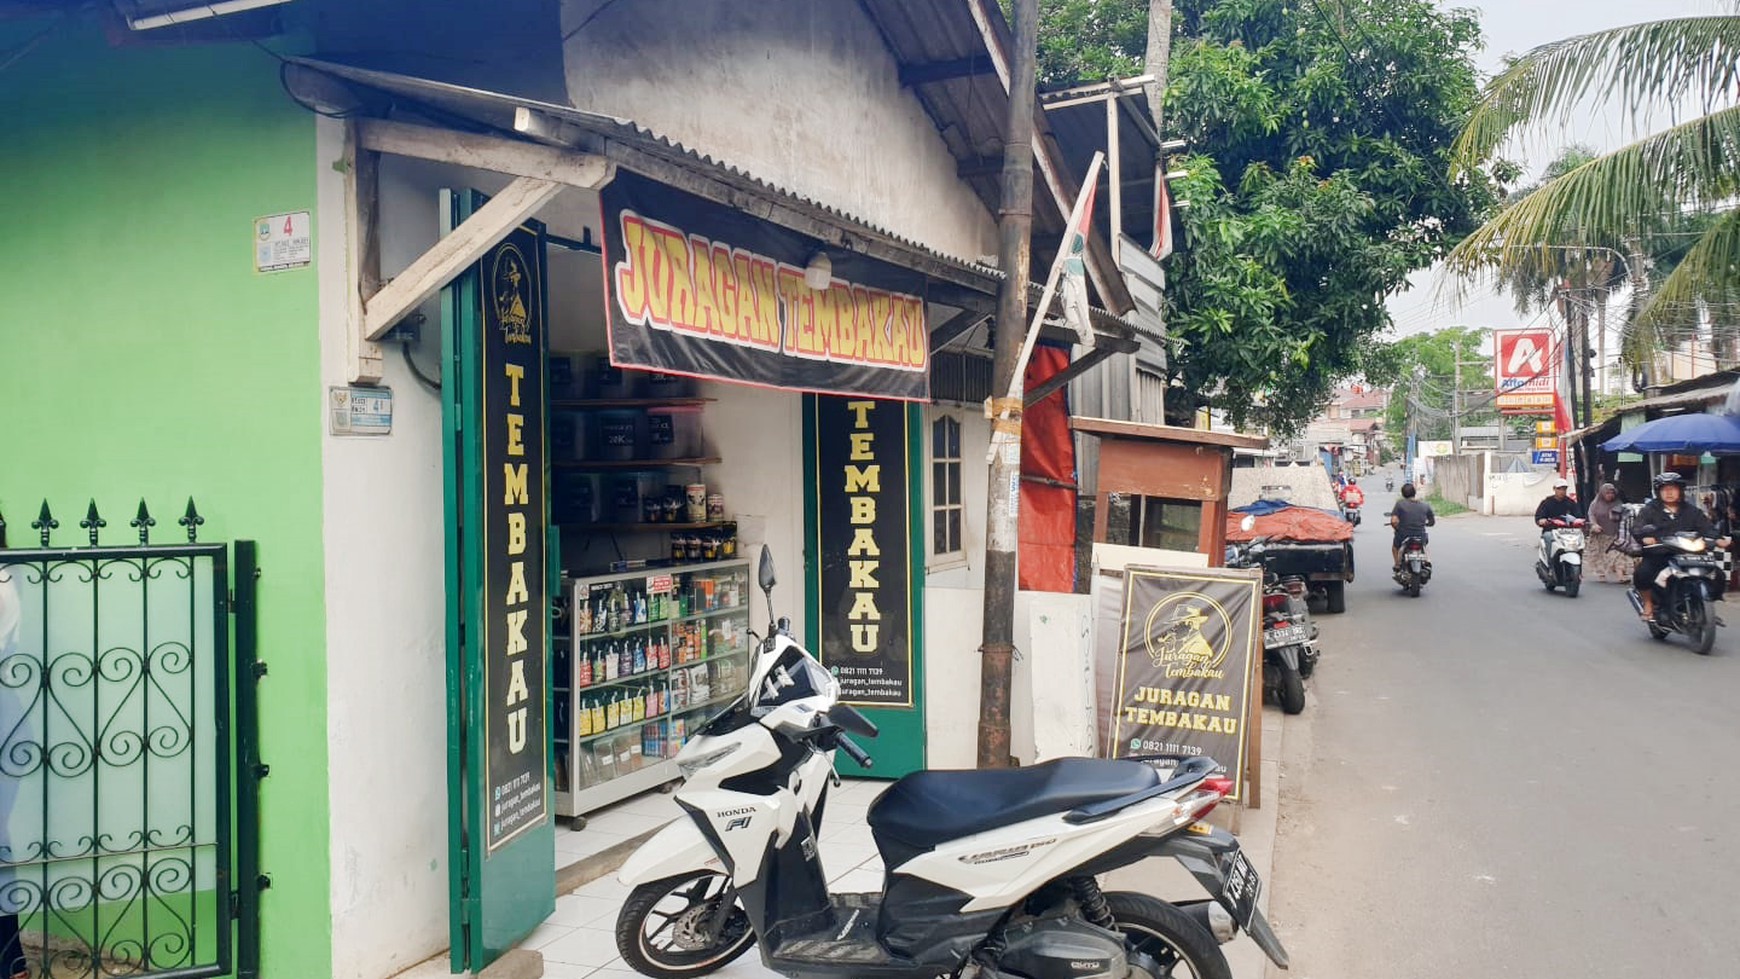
(1002, 526)
(1456, 405)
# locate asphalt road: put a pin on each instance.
(1490, 780)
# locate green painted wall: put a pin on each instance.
(141, 356)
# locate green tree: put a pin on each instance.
(1321, 134)
(1641, 196)
(1423, 399)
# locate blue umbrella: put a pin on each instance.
(1693, 432)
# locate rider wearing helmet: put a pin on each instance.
(1353, 496)
(1664, 516)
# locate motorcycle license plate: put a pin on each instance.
(1287, 635)
(1239, 896)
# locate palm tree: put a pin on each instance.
(1632, 195)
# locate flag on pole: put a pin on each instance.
(1162, 213)
(1070, 256)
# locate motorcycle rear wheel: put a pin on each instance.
(1292, 691)
(1412, 588)
(1183, 948)
(677, 910)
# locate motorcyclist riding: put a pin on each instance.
(1664, 516)
(1410, 517)
(1353, 496)
(1558, 506)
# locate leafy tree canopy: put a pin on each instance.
(1677, 182)
(1320, 132)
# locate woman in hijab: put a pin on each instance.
(1602, 558)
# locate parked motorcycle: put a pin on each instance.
(990, 869)
(1559, 558)
(1684, 590)
(1289, 638)
(1416, 570)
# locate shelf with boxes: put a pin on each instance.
(643, 661)
(619, 442)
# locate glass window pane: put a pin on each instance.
(955, 483)
(939, 440)
(939, 484)
(954, 439)
(954, 530)
(940, 536)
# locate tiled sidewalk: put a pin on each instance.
(608, 827)
(579, 941)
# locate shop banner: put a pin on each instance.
(695, 288)
(1177, 650)
(516, 594)
(1525, 368)
(864, 546)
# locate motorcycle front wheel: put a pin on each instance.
(1701, 627)
(1573, 585)
(664, 928)
(1183, 948)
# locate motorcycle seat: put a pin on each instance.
(928, 808)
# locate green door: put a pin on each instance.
(864, 564)
(501, 827)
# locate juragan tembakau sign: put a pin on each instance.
(698, 289)
(864, 548)
(1176, 663)
(515, 576)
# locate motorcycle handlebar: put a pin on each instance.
(857, 754)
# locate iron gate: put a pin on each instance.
(128, 830)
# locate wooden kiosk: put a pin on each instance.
(1173, 481)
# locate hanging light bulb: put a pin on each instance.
(819, 273)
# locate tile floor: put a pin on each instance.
(578, 941)
(608, 827)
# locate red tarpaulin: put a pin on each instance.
(1047, 453)
(1299, 523)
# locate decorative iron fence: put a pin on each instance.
(128, 830)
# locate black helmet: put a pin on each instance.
(1668, 479)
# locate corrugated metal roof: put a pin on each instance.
(480, 109)
(495, 111)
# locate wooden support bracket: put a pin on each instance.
(454, 253)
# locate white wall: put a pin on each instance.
(752, 84)
(759, 434)
(385, 622)
(386, 590)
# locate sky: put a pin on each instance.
(1513, 27)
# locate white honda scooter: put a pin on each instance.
(1559, 557)
(992, 871)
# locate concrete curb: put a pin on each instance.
(607, 861)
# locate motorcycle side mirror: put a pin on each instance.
(764, 575)
(765, 578)
(1247, 523)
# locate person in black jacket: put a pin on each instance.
(1666, 515)
(1557, 506)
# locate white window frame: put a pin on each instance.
(947, 560)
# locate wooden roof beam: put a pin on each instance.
(931, 72)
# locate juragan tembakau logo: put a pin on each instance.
(1188, 635)
(509, 287)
